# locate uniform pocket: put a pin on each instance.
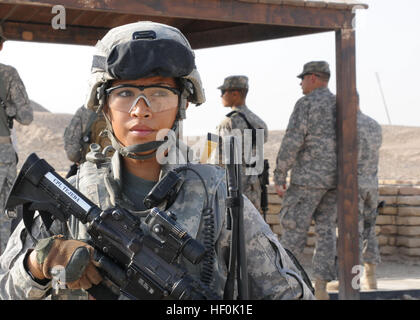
(285, 267)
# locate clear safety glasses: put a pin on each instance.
(158, 98)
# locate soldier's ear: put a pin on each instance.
(234, 94)
(315, 79)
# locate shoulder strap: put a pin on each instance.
(242, 116)
(254, 132)
(91, 120)
(85, 140)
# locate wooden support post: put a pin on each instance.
(347, 197)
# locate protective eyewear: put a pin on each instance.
(158, 98)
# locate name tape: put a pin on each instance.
(83, 204)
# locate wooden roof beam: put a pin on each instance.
(216, 10)
(9, 13)
(243, 34)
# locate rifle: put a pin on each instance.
(264, 182)
(139, 258)
(235, 205)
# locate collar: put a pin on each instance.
(240, 108)
(319, 90)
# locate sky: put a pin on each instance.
(387, 46)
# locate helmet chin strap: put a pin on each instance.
(131, 151)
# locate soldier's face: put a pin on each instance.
(307, 83)
(140, 124)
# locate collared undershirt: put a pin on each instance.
(136, 189)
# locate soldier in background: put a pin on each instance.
(369, 140)
(309, 150)
(369, 136)
(234, 91)
(15, 105)
(84, 129)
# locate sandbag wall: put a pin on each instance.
(397, 225)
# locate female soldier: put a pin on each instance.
(143, 77)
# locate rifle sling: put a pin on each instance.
(233, 202)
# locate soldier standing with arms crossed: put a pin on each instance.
(14, 106)
(309, 150)
(233, 92)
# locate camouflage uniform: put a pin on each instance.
(78, 136)
(309, 150)
(369, 134)
(272, 274)
(14, 95)
(251, 186)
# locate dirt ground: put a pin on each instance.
(400, 277)
(399, 154)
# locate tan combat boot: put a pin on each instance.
(321, 290)
(369, 277)
(333, 285)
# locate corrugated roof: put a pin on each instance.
(336, 4)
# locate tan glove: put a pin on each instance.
(72, 255)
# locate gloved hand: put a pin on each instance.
(72, 255)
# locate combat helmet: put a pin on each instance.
(138, 50)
